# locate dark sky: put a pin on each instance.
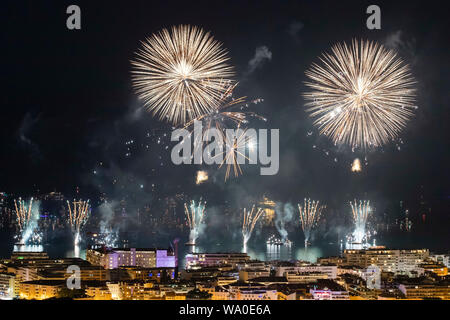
(67, 102)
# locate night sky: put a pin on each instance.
(68, 104)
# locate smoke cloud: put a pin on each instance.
(284, 215)
(262, 54)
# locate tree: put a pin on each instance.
(198, 294)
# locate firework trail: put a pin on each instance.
(250, 219)
(360, 213)
(179, 74)
(230, 110)
(195, 214)
(362, 94)
(78, 216)
(23, 213)
(26, 219)
(221, 119)
(235, 151)
(309, 216)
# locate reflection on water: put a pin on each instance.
(309, 254)
(279, 251)
(77, 252)
(192, 248)
(256, 250)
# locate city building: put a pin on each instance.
(214, 259)
(441, 258)
(9, 286)
(98, 291)
(390, 260)
(28, 255)
(40, 289)
(331, 260)
(328, 294)
(141, 257)
(304, 277)
(437, 268)
(144, 274)
(425, 291)
(248, 274)
(372, 276)
(329, 270)
(256, 294)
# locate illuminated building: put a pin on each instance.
(220, 293)
(293, 292)
(165, 258)
(171, 295)
(441, 258)
(328, 290)
(256, 294)
(139, 290)
(143, 274)
(436, 268)
(40, 289)
(330, 260)
(130, 290)
(9, 286)
(372, 275)
(98, 291)
(327, 294)
(330, 271)
(224, 280)
(28, 255)
(422, 291)
(147, 258)
(268, 281)
(25, 273)
(51, 269)
(304, 277)
(198, 274)
(87, 273)
(254, 264)
(248, 274)
(216, 259)
(396, 261)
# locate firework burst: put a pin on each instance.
(179, 74)
(78, 216)
(309, 216)
(250, 219)
(360, 213)
(361, 94)
(195, 214)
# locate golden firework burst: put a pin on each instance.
(179, 74)
(361, 95)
